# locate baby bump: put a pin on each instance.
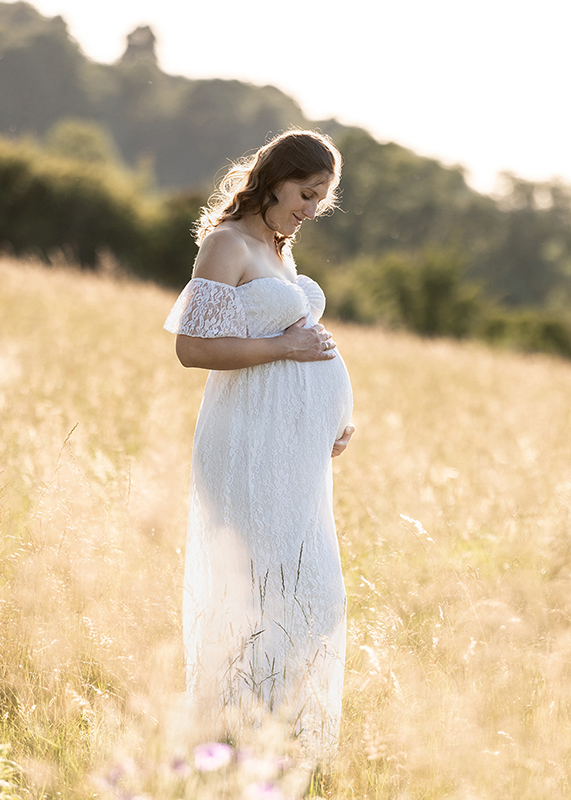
(279, 407)
(331, 392)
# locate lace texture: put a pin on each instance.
(207, 309)
(264, 601)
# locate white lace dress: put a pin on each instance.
(264, 600)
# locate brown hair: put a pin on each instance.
(248, 186)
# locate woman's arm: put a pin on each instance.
(297, 343)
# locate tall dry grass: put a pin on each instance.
(453, 509)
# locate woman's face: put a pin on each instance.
(297, 201)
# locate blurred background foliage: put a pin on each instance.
(109, 164)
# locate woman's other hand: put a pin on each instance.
(308, 344)
(341, 444)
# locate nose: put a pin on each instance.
(310, 210)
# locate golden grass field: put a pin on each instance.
(458, 680)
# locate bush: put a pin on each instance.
(425, 293)
(528, 330)
(49, 204)
(428, 294)
(172, 246)
(83, 141)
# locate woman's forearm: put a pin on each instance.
(297, 342)
(229, 352)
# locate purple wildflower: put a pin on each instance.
(212, 756)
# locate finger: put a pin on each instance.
(344, 439)
(347, 433)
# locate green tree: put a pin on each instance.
(52, 204)
(426, 292)
(172, 249)
(82, 141)
(531, 261)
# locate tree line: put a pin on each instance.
(73, 197)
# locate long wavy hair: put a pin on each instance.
(249, 185)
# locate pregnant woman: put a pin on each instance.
(264, 601)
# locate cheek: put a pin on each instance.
(291, 197)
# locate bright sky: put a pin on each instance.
(484, 84)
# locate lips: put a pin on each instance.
(298, 220)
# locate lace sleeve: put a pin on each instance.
(208, 309)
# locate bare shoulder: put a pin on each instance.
(223, 256)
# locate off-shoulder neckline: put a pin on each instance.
(254, 280)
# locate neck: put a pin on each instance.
(254, 224)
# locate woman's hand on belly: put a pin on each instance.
(341, 444)
(308, 344)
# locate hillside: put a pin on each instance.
(177, 133)
(187, 128)
(452, 506)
